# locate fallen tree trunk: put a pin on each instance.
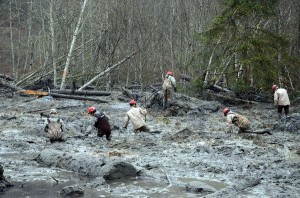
(134, 87)
(259, 131)
(55, 95)
(127, 92)
(13, 87)
(5, 77)
(85, 93)
(106, 71)
(32, 92)
(218, 88)
(230, 98)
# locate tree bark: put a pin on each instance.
(11, 41)
(8, 85)
(53, 49)
(55, 95)
(206, 78)
(85, 93)
(63, 81)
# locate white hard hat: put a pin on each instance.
(53, 111)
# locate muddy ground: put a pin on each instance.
(186, 155)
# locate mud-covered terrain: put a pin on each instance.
(187, 154)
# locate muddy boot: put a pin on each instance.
(165, 104)
(279, 116)
(108, 137)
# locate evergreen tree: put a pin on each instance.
(247, 47)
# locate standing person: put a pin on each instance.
(236, 119)
(169, 86)
(281, 100)
(101, 123)
(137, 116)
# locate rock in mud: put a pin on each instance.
(199, 188)
(71, 191)
(118, 170)
(4, 183)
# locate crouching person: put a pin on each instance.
(54, 126)
(137, 116)
(101, 123)
(238, 120)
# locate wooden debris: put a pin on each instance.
(32, 92)
(232, 99)
(129, 93)
(55, 95)
(11, 86)
(5, 77)
(85, 93)
(259, 131)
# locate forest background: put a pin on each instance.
(241, 45)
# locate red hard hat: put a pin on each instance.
(225, 111)
(274, 87)
(91, 110)
(170, 73)
(132, 102)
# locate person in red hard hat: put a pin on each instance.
(169, 86)
(236, 119)
(101, 123)
(281, 100)
(137, 117)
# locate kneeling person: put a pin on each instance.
(54, 126)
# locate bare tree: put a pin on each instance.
(12, 40)
(53, 49)
(62, 86)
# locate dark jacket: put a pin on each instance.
(102, 125)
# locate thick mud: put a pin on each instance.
(187, 155)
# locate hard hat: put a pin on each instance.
(170, 73)
(91, 110)
(53, 111)
(225, 111)
(132, 102)
(274, 87)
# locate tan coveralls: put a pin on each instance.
(137, 117)
(168, 88)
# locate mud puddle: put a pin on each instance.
(43, 189)
(215, 184)
(148, 188)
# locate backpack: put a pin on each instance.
(167, 83)
(240, 121)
